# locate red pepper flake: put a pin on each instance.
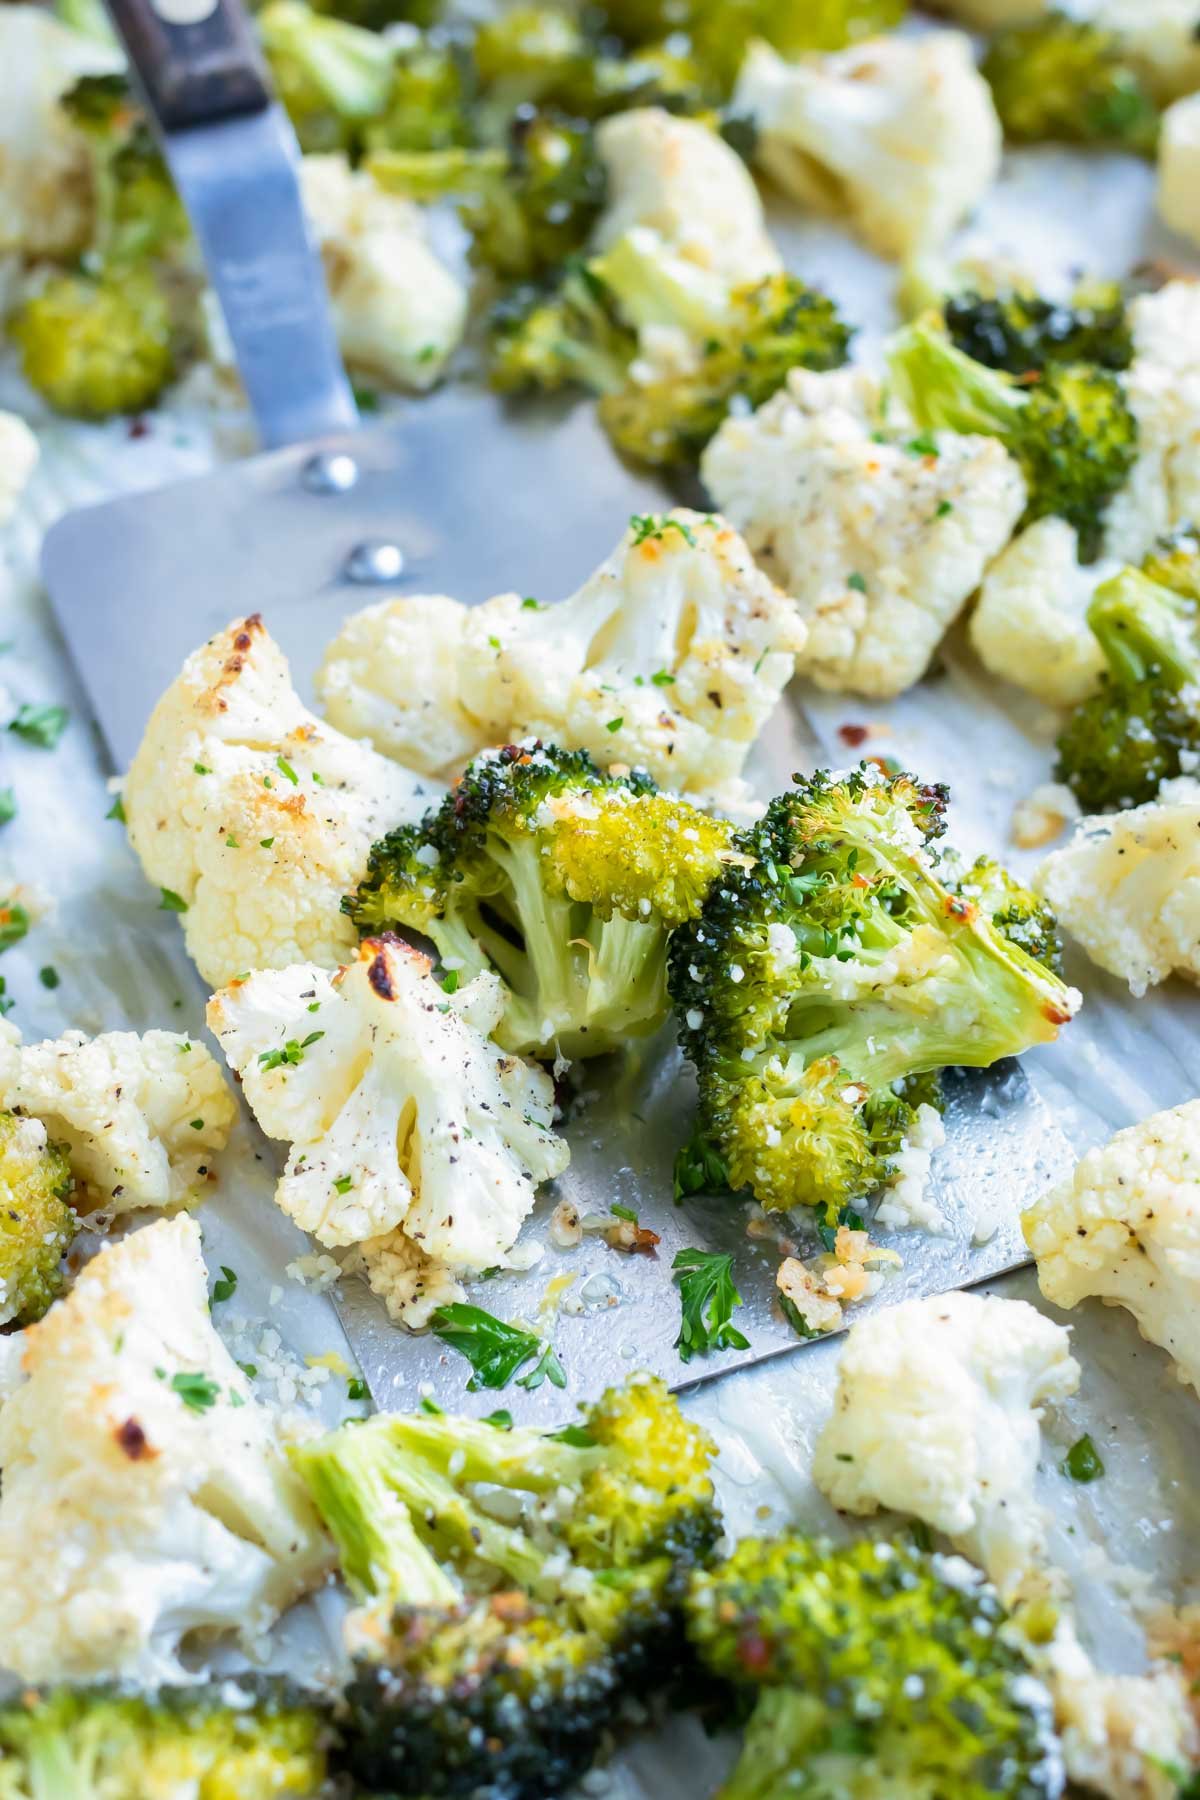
(854, 735)
(133, 1441)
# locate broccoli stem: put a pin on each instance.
(775, 1748)
(1145, 628)
(945, 390)
(434, 174)
(524, 1459)
(651, 289)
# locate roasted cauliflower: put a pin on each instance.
(253, 817)
(1030, 624)
(1179, 167)
(1162, 386)
(18, 456)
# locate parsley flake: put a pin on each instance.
(226, 1287)
(198, 1392)
(171, 901)
(41, 725)
(8, 805)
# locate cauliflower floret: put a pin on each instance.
(1179, 168)
(1030, 625)
(688, 195)
(1127, 887)
(399, 313)
(399, 1110)
(47, 192)
(254, 817)
(1158, 36)
(1126, 1736)
(411, 1285)
(880, 540)
(391, 675)
(937, 1414)
(1162, 491)
(1125, 1227)
(139, 1117)
(18, 454)
(671, 658)
(899, 135)
(145, 1495)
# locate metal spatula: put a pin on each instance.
(460, 495)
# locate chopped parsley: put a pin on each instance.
(944, 507)
(356, 1388)
(663, 678)
(707, 1298)
(652, 525)
(286, 770)
(198, 1392)
(496, 1350)
(117, 811)
(265, 843)
(923, 445)
(14, 923)
(171, 901)
(8, 805)
(624, 1212)
(1082, 1461)
(614, 725)
(49, 976)
(291, 1053)
(857, 582)
(41, 725)
(343, 1183)
(226, 1287)
(450, 981)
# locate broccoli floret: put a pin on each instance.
(36, 1220)
(563, 879)
(875, 1673)
(558, 1600)
(1018, 331)
(429, 102)
(1135, 731)
(549, 339)
(1016, 911)
(1071, 430)
(138, 212)
(1065, 80)
(770, 327)
(95, 346)
(527, 207)
(540, 56)
(719, 30)
(332, 77)
(260, 1740)
(831, 965)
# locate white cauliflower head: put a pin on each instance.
(1179, 167)
(1030, 624)
(399, 313)
(688, 195)
(936, 1414)
(140, 1117)
(880, 544)
(1158, 37)
(1127, 887)
(1124, 1736)
(899, 135)
(400, 1111)
(1125, 1228)
(47, 186)
(1162, 490)
(254, 816)
(392, 675)
(146, 1497)
(18, 456)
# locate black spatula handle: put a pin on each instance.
(196, 59)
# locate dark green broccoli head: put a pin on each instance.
(543, 210)
(773, 326)
(138, 212)
(1143, 723)
(1071, 429)
(1016, 911)
(36, 1220)
(1065, 80)
(430, 100)
(563, 879)
(251, 1740)
(93, 348)
(528, 1620)
(830, 965)
(497, 1698)
(880, 1672)
(548, 339)
(1018, 331)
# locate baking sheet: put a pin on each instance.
(121, 963)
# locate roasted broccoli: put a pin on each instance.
(1016, 911)
(500, 1676)
(832, 972)
(876, 1672)
(1144, 722)
(332, 77)
(138, 212)
(1017, 330)
(261, 1740)
(95, 346)
(769, 327)
(547, 339)
(542, 56)
(36, 1220)
(527, 207)
(1064, 79)
(563, 879)
(430, 100)
(1071, 429)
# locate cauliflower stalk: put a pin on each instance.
(403, 1118)
(1127, 887)
(253, 817)
(146, 1497)
(139, 1118)
(936, 1414)
(399, 313)
(1030, 625)
(881, 535)
(1125, 1228)
(670, 658)
(898, 134)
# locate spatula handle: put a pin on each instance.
(197, 59)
